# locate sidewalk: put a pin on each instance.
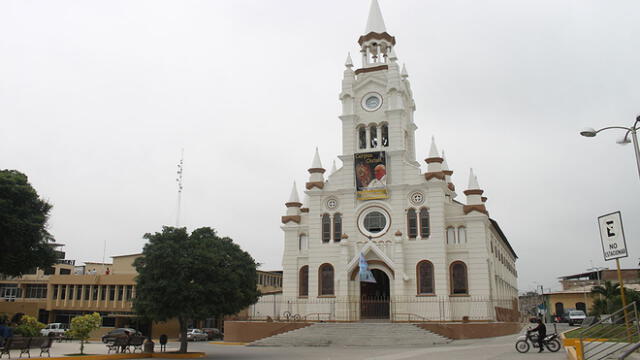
(65, 348)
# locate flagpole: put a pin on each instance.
(179, 181)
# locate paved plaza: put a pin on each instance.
(478, 349)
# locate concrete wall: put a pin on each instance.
(472, 331)
(248, 331)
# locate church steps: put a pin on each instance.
(355, 334)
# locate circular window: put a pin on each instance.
(332, 203)
(374, 222)
(371, 101)
(416, 198)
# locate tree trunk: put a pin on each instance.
(81, 347)
(183, 334)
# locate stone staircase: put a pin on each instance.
(355, 334)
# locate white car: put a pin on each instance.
(56, 329)
(197, 335)
(575, 317)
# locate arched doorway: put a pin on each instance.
(559, 309)
(374, 297)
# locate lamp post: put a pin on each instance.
(630, 132)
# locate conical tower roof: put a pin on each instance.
(316, 164)
(473, 181)
(375, 22)
(293, 198)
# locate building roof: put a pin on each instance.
(592, 275)
(117, 256)
(497, 227)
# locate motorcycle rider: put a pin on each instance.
(542, 333)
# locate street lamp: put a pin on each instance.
(591, 132)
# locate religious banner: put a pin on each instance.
(365, 274)
(371, 175)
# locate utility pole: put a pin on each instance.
(179, 181)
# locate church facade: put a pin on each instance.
(428, 255)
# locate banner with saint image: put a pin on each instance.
(371, 175)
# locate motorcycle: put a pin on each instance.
(524, 342)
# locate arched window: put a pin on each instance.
(373, 136)
(337, 227)
(326, 228)
(424, 274)
(424, 223)
(303, 281)
(451, 235)
(325, 277)
(385, 135)
(581, 306)
(459, 284)
(462, 235)
(362, 137)
(302, 242)
(412, 224)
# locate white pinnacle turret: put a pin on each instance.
(433, 151)
(333, 167)
(293, 198)
(316, 164)
(404, 72)
(316, 179)
(392, 55)
(348, 63)
(375, 23)
(445, 165)
(473, 181)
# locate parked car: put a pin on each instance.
(55, 329)
(196, 335)
(575, 317)
(213, 333)
(113, 334)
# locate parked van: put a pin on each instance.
(56, 329)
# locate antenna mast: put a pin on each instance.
(179, 181)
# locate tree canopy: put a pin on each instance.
(193, 277)
(23, 226)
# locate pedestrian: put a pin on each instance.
(163, 342)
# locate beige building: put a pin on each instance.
(66, 291)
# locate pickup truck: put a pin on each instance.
(575, 317)
(56, 329)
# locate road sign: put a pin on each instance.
(612, 236)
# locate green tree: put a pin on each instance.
(82, 326)
(193, 277)
(609, 299)
(29, 326)
(23, 226)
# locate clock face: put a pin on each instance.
(372, 101)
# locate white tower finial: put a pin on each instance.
(473, 181)
(316, 164)
(433, 152)
(404, 72)
(348, 63)
(293, 198)
(333, 167)
(375, 23)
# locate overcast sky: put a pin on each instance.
(97, 99)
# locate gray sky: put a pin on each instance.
(98, 97)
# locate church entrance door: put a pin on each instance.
(374, 297)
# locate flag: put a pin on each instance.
(365, 273)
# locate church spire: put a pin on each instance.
(316, 178)
(474, 196)
(375, 22)
(376, 43)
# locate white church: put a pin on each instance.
(433, 255)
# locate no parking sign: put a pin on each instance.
(614, 245)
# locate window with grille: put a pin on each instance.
(412, 224)
(424, 223)
(459, 283)
(425, 277)
(326, 228)
(326, 279)
(337, 227)
(303, 281)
